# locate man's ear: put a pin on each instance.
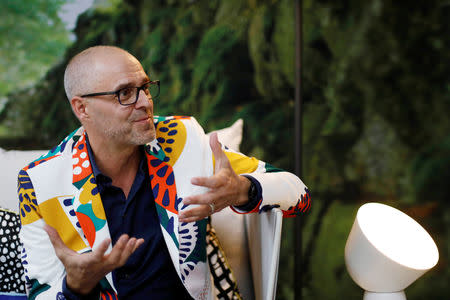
(79, 107)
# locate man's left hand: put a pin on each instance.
(225, 188)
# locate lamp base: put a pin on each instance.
(384, 296)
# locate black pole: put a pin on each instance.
(298, 270)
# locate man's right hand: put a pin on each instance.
(84, 271)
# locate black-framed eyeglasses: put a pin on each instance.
(129, 95)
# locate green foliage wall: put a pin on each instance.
(376, 89)
(33, 37)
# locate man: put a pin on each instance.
(119, 208)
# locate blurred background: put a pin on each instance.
(376, 92)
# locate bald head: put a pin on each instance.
(85, 69)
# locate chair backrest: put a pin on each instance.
(10, 164)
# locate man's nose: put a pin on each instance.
(143, 99)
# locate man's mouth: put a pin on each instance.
(143, 119)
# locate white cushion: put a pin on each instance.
(231, 136)
(11, 162)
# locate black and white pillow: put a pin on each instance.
(12, 279)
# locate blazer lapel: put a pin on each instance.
(88, 205)
(164, 191)
(186, 241)
(87, 202)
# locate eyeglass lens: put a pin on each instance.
(130, 95)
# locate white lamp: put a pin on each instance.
(386, 251)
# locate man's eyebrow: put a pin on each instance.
(123, 85)
(130, 84)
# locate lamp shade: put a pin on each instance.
(387, 250)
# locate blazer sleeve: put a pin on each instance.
(277, 188)
(44, 272)
(45, 275)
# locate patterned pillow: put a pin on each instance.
(12, 279)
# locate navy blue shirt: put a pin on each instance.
(149, 272)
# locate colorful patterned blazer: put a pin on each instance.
(59, 189)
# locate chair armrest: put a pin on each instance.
(264, 238)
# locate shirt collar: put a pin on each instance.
(98, 173)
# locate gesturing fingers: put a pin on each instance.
(99, 253)
(138, 243)
(224, 187)
(211, 182)
(220, 157)
(116, 252)
(195, 214)
(126, 252)
(85, 270)
(120, 253)
(122, 250)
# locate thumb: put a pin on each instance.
(220, 157)
(61, 249)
